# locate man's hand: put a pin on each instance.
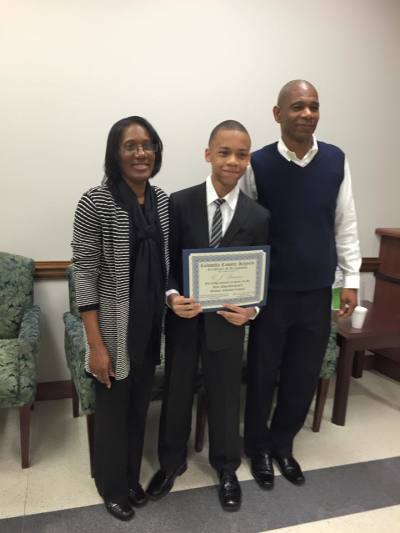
(183, 307)
(100, 365)
(348, 301)
(237, 315)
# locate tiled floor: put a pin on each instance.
(59, 475)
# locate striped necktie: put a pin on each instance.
(216, 228)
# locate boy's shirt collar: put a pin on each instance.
(231, 198)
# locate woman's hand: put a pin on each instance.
(183, 307)
(237, 315)
(99, 359)
(100, 365)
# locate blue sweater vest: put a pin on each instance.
(302, 203)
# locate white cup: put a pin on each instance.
(358, 317)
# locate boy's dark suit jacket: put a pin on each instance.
(189, 229)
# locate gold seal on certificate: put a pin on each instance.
(217, 276)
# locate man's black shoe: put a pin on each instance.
(230, 493)
(263, 470)
(137, 496)
(163, 481)
(290, 469)
(122, 512)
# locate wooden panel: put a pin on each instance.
(370, 264)
(369, 362)
(388, 232)
(387, 295)
(387, 366)
(390, 353)
(389, 279)
(389, 254)
(51, 269)
(56, 269)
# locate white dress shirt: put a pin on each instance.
(346, 235)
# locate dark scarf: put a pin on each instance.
(147, 278)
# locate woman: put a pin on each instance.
(120, 247)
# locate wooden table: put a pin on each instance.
(381, 330)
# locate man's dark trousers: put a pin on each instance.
(287, 344)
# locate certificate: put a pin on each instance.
(217, 276)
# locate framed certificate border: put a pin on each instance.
(194, 259)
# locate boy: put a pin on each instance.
(215, 213)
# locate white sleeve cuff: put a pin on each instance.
(351, 281)
(168, 293)
(257, 310)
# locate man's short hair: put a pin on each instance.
(289, 86)
(227, 125)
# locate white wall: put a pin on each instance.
(71, 69)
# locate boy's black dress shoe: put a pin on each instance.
(290, 469)
(121, 511)
(263, 470)
(163, 481)
(137, 496)
(230, 493)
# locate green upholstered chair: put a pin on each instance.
(74, 342)
(83, 390)
(19, 341)
(328, 370)
(329, 363)
(82, 387)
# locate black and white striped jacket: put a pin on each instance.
(102, 271)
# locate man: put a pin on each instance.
(307, 188)
(215, 213)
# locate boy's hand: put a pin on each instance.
(237, 315)
(183, 307)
